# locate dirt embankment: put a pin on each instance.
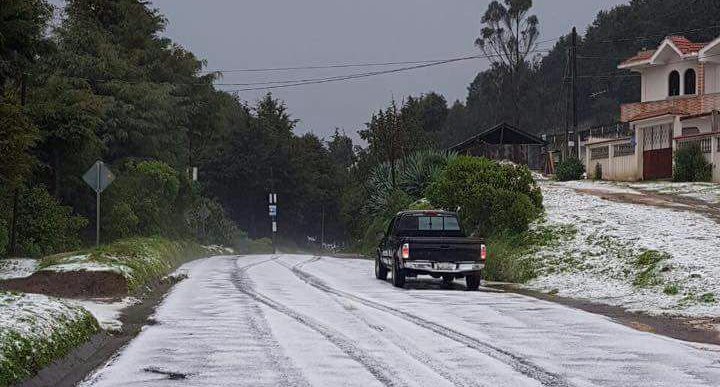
(74, 284)
(82, 361)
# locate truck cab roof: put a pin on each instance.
(426, 212)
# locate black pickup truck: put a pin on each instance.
(429, 243)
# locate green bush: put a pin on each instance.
(148, 198)
(691, 165)
(207, 222)
(512, 256)
(392, 203)
(44, 226)
(4, 238)
(491, 197)
(569, 169)
(420, 169)
(244, 245)
(506, 260)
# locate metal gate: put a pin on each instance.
(657, 157)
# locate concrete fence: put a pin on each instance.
(617, 159)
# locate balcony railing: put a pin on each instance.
(704, 141)
(688, 105)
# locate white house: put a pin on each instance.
(680, 100)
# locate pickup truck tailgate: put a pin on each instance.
(444, 249)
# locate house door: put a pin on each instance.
(657, 157)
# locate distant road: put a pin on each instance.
(296, 320)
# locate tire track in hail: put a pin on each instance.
(518, 363)
(243, 283)
(404, 345)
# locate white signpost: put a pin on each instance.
(273, 211)
(98, 177)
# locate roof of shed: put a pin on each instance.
(501, 134)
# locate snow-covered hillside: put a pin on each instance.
(641, 257)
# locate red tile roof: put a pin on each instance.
(685, 45)
(682, 43)
(640, 56)
(671, 111)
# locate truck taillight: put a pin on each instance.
(405, 252)
(483, 252)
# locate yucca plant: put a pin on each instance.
(414, 175)
(420, 169)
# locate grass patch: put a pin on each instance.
(39, 331)
(649, 268)
(671, 290)
(708, 298)
(510, 254)
(140, 260)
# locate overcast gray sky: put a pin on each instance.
(236, 34)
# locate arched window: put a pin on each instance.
(674, 84)
(690, 83)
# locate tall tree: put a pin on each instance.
(341, 150)
(509, 35)
(425, 117)
(386, 137)
(22, 36)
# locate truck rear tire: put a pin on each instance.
(448, 279)
(381, 271)
(472, 281)
(398, 275)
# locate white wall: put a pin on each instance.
(703, 123)
(712, 78)
(655, 84)
(623, 168)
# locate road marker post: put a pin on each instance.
(273, 211)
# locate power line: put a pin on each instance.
(356, 76)
(290, 81)
(285, 84)
(338, 66)
(340, 77)
(322, 67)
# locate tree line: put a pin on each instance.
(104, 84)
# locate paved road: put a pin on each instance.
(302, 320)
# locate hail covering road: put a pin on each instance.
(296, 320)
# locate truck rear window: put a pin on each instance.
(429, 223)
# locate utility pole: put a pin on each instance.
(573, 88)
(322, 229)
